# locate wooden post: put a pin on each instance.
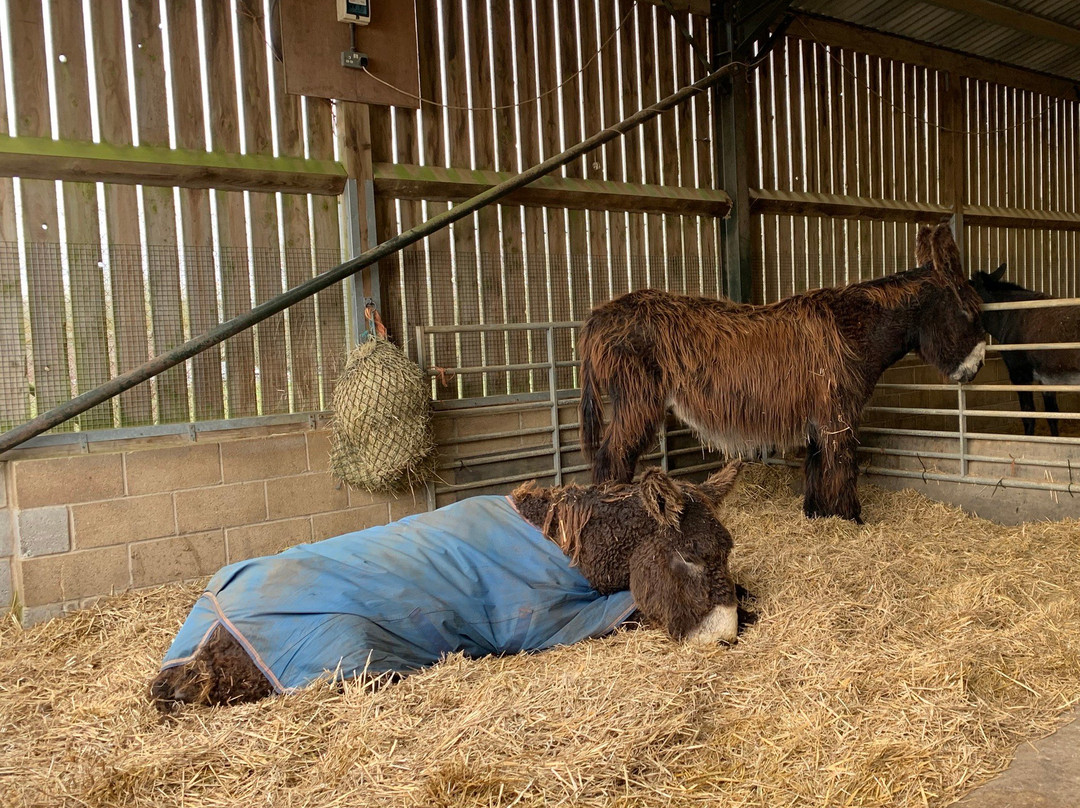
(954, 155)
(730, 115)
(354, 130)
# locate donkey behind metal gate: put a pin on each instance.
(796, 372)
(1031, 326)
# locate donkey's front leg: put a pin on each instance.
(831, 474)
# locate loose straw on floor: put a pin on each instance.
(894, 664)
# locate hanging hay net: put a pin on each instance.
(381, 437)
(897, 663)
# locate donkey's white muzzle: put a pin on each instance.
(967, 369)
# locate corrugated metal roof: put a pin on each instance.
(970, 32)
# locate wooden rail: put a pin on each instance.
(74, 161)
(804, 203)
(1021, 217)
(396, 181)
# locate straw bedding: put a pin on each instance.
(894, 664)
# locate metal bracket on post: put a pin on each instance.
(956, 224)
(353, 210)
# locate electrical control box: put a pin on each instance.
(324, 58)
(358, 12)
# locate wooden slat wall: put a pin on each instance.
(1024, 155)
(149, 267)
(116, 274)
(514, 264)
(833, 121)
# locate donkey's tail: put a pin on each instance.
(591, 409)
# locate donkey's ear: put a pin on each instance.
(718, 485)
(998, 273)
(945, 253)
(922, 246)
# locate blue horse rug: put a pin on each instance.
(474, 577)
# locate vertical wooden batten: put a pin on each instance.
(14, 390)
(163, 269)
(355, 123)
(48, 318)
(195, 221)
(953, 156)
(731, 113)
(232, 251)
(262, 207)
(82, 232)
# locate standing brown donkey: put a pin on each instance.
(796, 372)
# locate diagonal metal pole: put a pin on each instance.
(196, 345)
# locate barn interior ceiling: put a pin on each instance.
(1041, 35)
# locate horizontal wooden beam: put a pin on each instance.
(902, 49)
(401, 181)
(988, 216)
(801, 203)
(1023, 21)
(693, 6)
(75, 161)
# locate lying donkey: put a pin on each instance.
(488, 575)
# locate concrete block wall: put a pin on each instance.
(75, 526)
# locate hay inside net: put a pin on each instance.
(895, 664)
(381, 435)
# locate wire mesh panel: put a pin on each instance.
(97, 278)
(116, 308)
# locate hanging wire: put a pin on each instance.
(694, 45)
(542, 95)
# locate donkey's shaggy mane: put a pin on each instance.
(663, 498)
